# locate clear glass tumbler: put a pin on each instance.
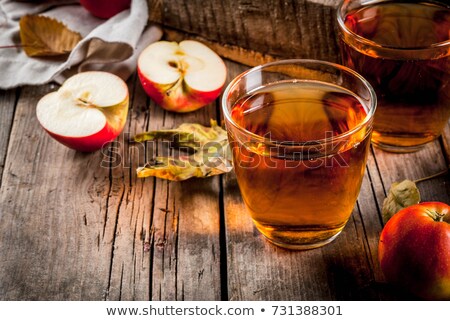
(299, 131)
(403, 49)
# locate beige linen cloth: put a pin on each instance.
(110, 45)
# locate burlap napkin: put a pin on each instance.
(111, 45)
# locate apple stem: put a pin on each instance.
(432, 176)
(439, 217)
(436, 216)
(12, 46)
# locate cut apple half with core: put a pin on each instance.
(181, 77)
(89, 110)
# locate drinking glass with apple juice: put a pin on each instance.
(299, 131)
(402, 48)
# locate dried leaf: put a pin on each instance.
(44, 36)
(400, 195)
(187, 135)
(211, 153)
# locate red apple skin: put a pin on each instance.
(105, 9)
(89, 143)
(414, 250)
(182, 100)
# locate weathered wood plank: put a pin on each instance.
(290, 29)
(53, 239)
(369, 213)
(424, 163)
(185, 227)
(7, 107)
(130, 204)
(230, 52)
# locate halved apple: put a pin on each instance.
(89, 110)
(181, 77)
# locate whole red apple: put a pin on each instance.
(414, 250)
(105, 9)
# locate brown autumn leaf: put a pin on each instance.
(43, 36)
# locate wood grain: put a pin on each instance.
(230, 52)
(185, 227)
(53, 202)
(7, 107)
(130, 205)
(289, 29)
(424, 163)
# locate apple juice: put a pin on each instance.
(409, 72)
(300, 185)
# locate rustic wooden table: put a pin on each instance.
(77, 226)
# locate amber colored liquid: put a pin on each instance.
(299, 196)
(413, 87)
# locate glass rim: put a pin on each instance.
(367, 119)
(343, 27)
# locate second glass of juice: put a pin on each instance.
(402, 48)
(299, 132)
